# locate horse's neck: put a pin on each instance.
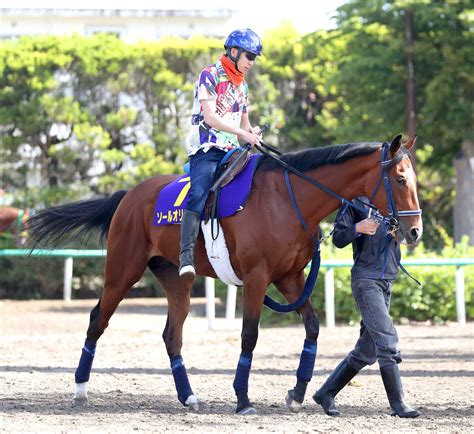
(346, 179)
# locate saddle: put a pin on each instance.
(227, 169)
(173, 198)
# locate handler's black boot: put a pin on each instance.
(393, 387)
(189, 232)
(333, 385)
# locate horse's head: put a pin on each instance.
(396, 196)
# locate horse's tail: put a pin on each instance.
(77, 220)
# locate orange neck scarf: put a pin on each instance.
(236, 77)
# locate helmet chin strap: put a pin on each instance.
(236, 58)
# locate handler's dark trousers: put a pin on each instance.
(378, 338)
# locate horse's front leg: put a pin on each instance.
(254, 293)
(291, 288)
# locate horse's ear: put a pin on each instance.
(395, 145)
(410, 143)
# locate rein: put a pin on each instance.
(313, 271)
(391, 221)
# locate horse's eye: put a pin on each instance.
(402, 180)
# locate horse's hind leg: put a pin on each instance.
(291, 288)
(178, 295)
(123, 268)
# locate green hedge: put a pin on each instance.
(42, 278)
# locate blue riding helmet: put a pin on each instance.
(245, 39)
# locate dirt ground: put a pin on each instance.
(131, 388)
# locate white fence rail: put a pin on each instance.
(69, 254)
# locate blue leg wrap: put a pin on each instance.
(83, 371)
(241, 381)
(307, 361)
(180, 379)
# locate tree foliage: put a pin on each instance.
(90, 115)
(372, 82)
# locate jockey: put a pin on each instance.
(219, 118)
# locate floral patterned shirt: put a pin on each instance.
(231, 101)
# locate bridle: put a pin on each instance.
(392, 220)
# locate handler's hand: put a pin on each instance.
(367, 226)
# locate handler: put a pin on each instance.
(376, 258)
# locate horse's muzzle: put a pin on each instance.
(413, 236)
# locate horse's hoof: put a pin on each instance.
(80, 395)
(293, 406)
(192, 403)
(80, 401)
(193, 408)
(247, 411)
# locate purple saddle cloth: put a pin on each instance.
(173, 198)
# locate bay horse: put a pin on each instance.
(266, 242)
(14, 219)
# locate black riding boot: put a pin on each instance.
(189, 232)
(393, 387)
(333, 385)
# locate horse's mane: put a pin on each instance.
(312, 158)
